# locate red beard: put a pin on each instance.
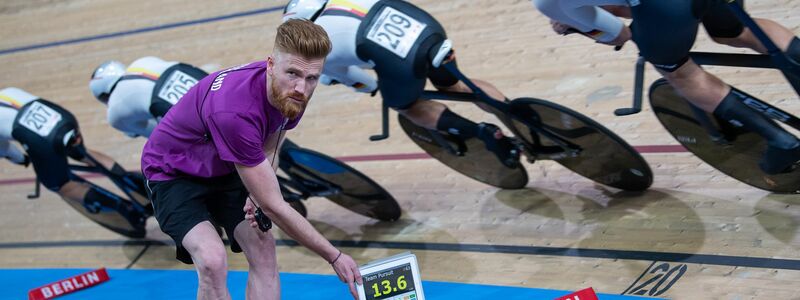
(285, 104)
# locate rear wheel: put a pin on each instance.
(731, 150)
(476, 162)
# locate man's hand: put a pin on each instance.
(347, 269)
(250, 213)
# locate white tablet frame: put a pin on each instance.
(392, 262)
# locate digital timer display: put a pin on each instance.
(393, 284)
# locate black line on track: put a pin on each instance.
(706, 259)
(640, 277)
(136, 259)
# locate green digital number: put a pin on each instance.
(377, 291)
(401, 282)
(387, 285)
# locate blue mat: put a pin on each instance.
(182, 284)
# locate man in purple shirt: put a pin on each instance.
(219, 143)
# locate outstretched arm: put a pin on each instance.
(262, 184)
(12, 153)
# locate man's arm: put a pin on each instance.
(263, 187)
(262, 184)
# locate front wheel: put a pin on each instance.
(602, 156)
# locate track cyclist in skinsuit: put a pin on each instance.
(665, 31)
(218, 144)
(139, 95)
(402, 59)
(49, 134)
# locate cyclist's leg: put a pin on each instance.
(664, 31)
(448, 121)
(725, 28)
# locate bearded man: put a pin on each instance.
(219, 143)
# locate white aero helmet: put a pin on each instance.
(303, 9)
(104, 78)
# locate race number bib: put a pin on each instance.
(395, 31)
(40, 119)
(176, 86)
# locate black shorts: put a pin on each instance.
(46, 147)
(402, 80)
(665, 31)
(181, 204)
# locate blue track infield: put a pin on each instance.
(182, 284)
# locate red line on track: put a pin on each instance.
(401, 156)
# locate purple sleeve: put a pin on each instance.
(237, 138)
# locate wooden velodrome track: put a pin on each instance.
(696, 234)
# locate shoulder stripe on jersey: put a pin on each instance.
(143, 72)
(341, 13)
(137, 76)
(3, 104)
(10, 102)
(344, 8)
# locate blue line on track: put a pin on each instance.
(140, 30)
(182, 284)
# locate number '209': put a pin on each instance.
(395, 29)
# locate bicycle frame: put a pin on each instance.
(479, 96)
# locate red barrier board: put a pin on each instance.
(584, 294)
(69, 285)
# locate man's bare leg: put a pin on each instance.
(263, 281)
(210, 259)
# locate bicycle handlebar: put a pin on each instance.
(384, 124)
(638, 87)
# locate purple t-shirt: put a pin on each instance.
(236, 121)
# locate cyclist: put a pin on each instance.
(404, 45)
(141, 94)
(665, 31)
(49, 134)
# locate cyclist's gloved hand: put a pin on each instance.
(327, 80)
(561, 28)
(26, 161)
